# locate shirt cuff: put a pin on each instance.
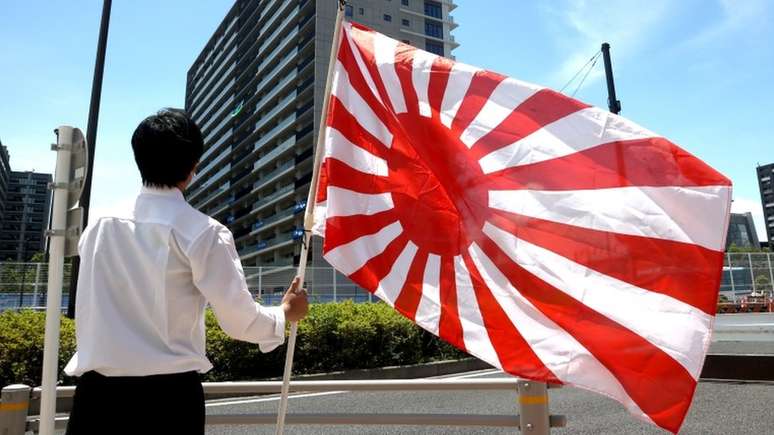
(278, 314)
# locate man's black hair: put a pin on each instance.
(166, 147)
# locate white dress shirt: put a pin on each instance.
(144, 282)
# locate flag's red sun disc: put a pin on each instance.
(440, 196)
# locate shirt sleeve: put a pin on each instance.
(218, 274)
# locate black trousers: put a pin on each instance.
(146, 405)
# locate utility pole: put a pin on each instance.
(613, 103)
(91, 139)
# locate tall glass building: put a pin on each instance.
(256, 90)
(766, 185)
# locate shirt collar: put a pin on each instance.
(163, 191)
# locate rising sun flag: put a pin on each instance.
(551, 239)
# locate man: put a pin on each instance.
(144, 282)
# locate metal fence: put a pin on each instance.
(745, 273)
(24, 284)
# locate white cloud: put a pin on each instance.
(582, 26)
(743, 205)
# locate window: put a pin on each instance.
(434, 28)
(405, 22)
(433, 9)
(387, 18)
(434, 47)
(348, 10)
(404, 2)
(360, 11)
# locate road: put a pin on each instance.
(738, 408)
(744, 327)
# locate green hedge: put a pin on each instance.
(335, 336)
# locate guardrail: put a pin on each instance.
(19, 404)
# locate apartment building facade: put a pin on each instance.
(25, 216)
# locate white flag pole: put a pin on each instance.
(309, 217)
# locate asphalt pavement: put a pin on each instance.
(718, 408)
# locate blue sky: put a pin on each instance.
(698, 72)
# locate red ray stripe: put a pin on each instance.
(515, 354)
(660, 386)
(439, 78)
(378, 267)
(543, 108)
(404, 67)
(449, 325)
(341, 175)
(688, 273)
(641, 162)
(481, 87)
(408, 299)
(341, 230)
(364, 41)
(358, 82)
(322, 184)
(346, 123)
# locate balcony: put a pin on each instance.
(271, 155)
(214, 147)
(222, 156)
(216, 110)
(265, 246)
(217, 192)
(202, 100)
(279, 87)
(221, 62)
(272, 134)
(290, 16)
(216, 176)
(271, 199)
(272, 221)
(223, 207)
(282, 64)
(281, 105)
(273, 175)
(281, 46)
(267, 8)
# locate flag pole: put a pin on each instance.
(309, 217)
(613, 102)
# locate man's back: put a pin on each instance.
(145, 279)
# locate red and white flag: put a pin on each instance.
(554, 240)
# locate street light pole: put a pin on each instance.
(91, 138)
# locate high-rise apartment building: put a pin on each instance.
(5, 174)
(741, 231)
(25, 218)
(256, 91)
(765, 175)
